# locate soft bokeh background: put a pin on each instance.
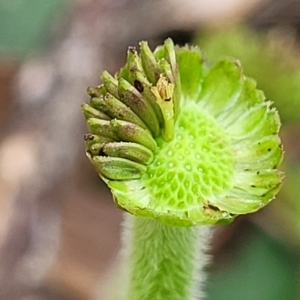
(59, 230)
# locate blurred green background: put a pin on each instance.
(27, 26)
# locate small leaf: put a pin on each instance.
(191, 78)
(131, 151)
(90, 112)
(130, 132)
(118, 168)
(110, 83)
(101, 127)
(149, 63)
(221, 87)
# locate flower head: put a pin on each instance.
(181, 141)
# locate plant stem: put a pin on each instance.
(164, 262)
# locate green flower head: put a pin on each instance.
(181, 141)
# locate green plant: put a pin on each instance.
(182, 145)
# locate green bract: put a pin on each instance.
(181, 141)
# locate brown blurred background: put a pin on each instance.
(59, 229)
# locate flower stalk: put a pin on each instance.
(167, 268)
(181, 145)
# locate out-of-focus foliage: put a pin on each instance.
(26, 25)
(290, 211)
(269, 58)
(261, 269)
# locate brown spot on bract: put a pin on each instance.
(132, 49)
(133, 69)
(168, 99)
(138, 85)
(101, 152)
(91, 91)
(212, 207)
(88, 137)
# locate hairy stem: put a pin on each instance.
(164, 262)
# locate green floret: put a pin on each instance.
(209, 146)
